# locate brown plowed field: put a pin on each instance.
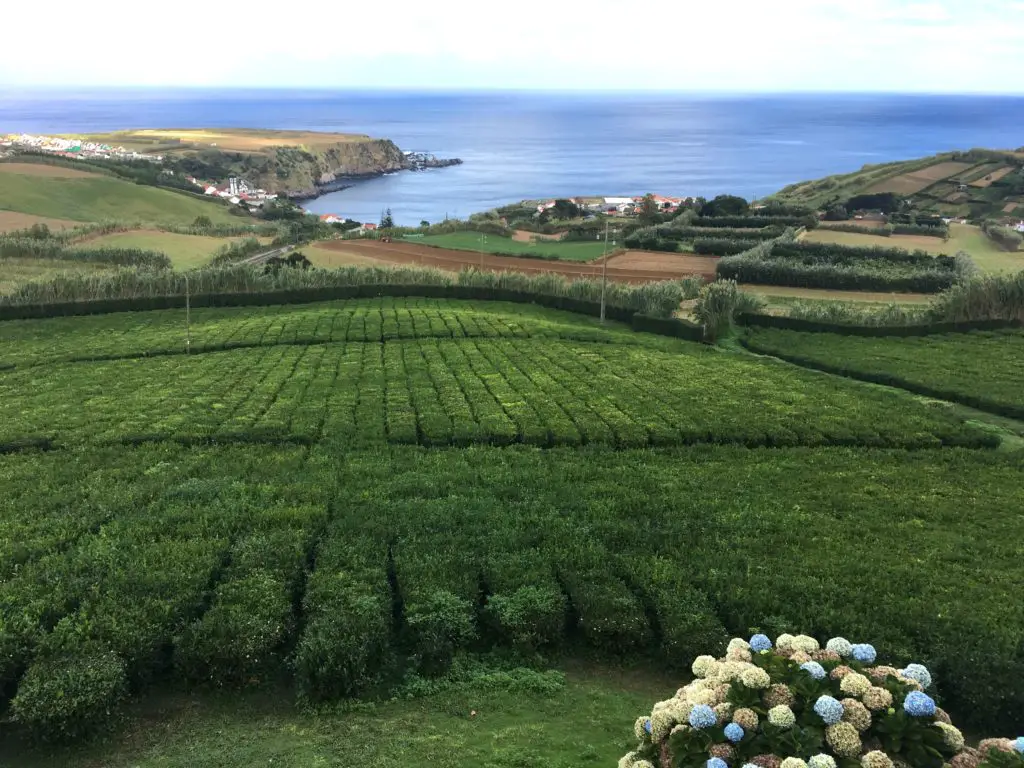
(629, 267)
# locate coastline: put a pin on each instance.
(416, 162)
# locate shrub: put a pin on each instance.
(531, 618)
(439, 623)
(794, 702)
(989, 297)
(70, 697)
(1006, 238)
(719, 303)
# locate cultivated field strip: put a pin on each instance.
(497, 390)
(231, 564)
(983, 369)
(162, 332)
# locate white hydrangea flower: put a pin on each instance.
(642, 764)
(702, 665)
(781, 716)
(840, 645)
(738, 642)
(804, 643)
(662, 721)
(822, 760)
(756, 678)
(628, 760)
(785, 642)
(793, 762)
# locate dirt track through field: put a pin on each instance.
(629, 267)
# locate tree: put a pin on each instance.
(725, 205)
(424, 223)
(649, 210)
(567, 209)
(836, 212)
(202, 222)
(387, 221)
(39, 231)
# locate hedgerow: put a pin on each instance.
(823, 265)
(27, 248)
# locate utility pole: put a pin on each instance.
(604, 269)
(188, 318)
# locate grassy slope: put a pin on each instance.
(471, 241)
(185, 251)
(588, 722)
(100, 198)
(963, 237)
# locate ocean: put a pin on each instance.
(531, 145)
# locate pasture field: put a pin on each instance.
(963, 237)
(347, 497)
(16, 272)
(227, 139)
(184, 251)
(96, 197)
(992, 177)
(11, 221)
(551, 249)
(915, 181)
(982, 368)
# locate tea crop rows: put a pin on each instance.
(338, 506)
(456, 392)
(983, 368)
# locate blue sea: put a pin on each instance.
(531, 145)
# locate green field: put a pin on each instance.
(17, 272)
(551, 249)
(963, 237)
(101, 198)
(185, 251)
(982, 368)
(348, 498)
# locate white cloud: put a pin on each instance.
(728, 45)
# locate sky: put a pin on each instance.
(935, 46)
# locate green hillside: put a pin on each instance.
(94, 197)
(979, 184)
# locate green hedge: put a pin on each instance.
(720, 247)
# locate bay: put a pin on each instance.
(519, 145)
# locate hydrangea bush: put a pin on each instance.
(794, 704)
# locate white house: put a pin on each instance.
(617, 201)
(1020, 227)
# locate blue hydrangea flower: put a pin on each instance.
(814, 669)
(702, 716)
(734, 732)
(760, 643)
(829, 709)
(716, 762)
(919, 673)
(1018, 744)
(864, 653)
(647, 725)
(919, 704)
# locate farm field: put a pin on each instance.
(11, 221)
(227, 139)
(630, 267)
(441, 383)
(17, 272)
(915, 181)
(963, 237)
(981, 369)
(184, 251)
(348, 497)
(553, 249)
(49, 191)
(320, 254)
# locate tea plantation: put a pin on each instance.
(342, 494)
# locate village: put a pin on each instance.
(75, 149)
(620, 206)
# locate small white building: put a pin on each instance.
(1020, 227)
(615, 202)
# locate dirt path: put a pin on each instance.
(630, 267)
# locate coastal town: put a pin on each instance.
(73, 148)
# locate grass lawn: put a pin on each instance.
(473, 241)
(16, 272)
(11, 220)
(963, 237)
(587, 720)
(185, 251)
(99, 198)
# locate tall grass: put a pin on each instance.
(843, 313)
(56, 250)
(98, 229)
(659, 299)
(718, 304)
(988, 297)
